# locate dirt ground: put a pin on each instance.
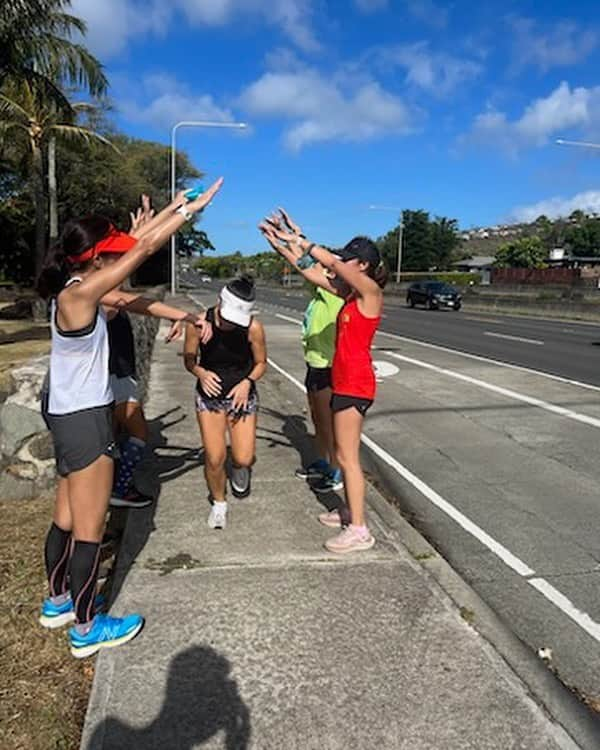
(43, 691)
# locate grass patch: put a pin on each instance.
(43, 691)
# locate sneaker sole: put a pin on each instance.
(85, 651)
(333, 488)
(216, 525)
(118, 502)
(58, 621)
(240, 494)
(358, 547)
(330, 523)
(315, 475)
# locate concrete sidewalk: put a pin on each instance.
(256, 637)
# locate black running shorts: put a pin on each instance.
(317, 378)
(341, 403)
(81, 437)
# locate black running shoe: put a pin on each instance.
(240, 481)
(132, 499)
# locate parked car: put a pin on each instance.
(434, 295)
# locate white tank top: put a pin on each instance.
(79, 377)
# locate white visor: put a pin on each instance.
(235, 310)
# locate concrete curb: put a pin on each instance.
(560, 704)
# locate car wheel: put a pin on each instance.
(457, 307)
(410, 302)
(431, 304)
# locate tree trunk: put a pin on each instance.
(52, 192)
(40, 208)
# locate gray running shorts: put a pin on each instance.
(81, 437)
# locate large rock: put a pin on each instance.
(20, 414)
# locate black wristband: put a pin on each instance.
(252, 382)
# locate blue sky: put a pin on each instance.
(450, 107)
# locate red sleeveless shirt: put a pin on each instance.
(352, 371)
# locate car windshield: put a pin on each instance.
(439, 286)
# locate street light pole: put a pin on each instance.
(400, 235)
(400, 239)
(188, 124)
(582, 144)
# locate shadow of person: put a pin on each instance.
(165, 463)
(202, 700)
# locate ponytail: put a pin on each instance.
(380, 274)
(77, 237)
(54, 273)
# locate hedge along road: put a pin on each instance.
(497, 466)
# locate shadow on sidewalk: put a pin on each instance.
(166, 463)
(293, 427)
(202, 700)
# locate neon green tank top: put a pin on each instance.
(318, 328)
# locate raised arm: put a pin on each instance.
(149, 221)
(95, 286)
(292, 254)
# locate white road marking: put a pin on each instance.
(289, 320)
(476, 357)
(584, 621)
(549, 592)
(507, 392)
(489, 360)
(513, 338)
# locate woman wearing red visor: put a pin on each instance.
(78, 409)
(128, 414)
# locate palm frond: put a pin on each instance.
(76, 134)
(13, 111)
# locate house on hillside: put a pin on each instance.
(481, 264)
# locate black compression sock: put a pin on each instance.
(57, 554)
(84, 576)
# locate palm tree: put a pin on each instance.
(36, 46)
(37, 125)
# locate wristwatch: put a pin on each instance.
(187, 215)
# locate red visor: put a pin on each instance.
(114, 242)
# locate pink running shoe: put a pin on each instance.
(336, 519)
(349, 540)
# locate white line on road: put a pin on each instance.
(513, 338)
(559, 600)
(476, 357)
(507, 392)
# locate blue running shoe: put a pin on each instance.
(317, 470)
(333, 482)
(106, 632)
(56, 615)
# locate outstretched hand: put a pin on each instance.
(205, 198)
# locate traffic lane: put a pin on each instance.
(545, 530)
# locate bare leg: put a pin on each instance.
(89, 493)
(243, 440)
(323, 421)
(130, 417)
(212, 429)
(347, 425)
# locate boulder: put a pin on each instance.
(20, 414)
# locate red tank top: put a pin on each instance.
(352, 371)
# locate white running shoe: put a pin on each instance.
(217, 518)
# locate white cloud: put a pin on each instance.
(428, 12)
(436, 72)
(323, 109)
(292, 16)
(564, 43)
(554, 208)
(563, 109)
(113, 24)
(370, 6)
(164, 101)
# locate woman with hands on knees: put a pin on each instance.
(78, 411)
(227, 368)
(356, 274)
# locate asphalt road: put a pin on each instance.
(497, 466)
(567, 349)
